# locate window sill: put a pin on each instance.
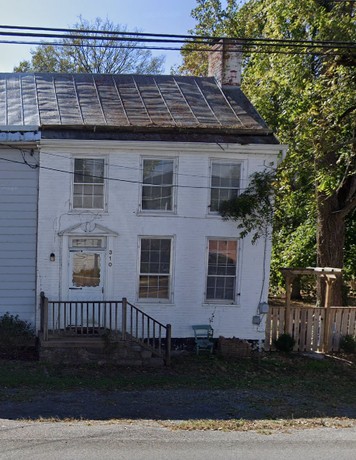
(156, 214)
(213, 215)
(216, 303)
(152, 303)
(88, 211)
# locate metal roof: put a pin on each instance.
(123, 101)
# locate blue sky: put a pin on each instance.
(155, 16)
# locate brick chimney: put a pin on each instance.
(225, 60)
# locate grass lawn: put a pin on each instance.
(319, 390)
(334, 378)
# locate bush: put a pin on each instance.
(348, 344)
(285, 342)
(14, 334)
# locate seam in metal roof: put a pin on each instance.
(123, 101)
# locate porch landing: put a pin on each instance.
(104, 332)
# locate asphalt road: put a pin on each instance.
(147, 440)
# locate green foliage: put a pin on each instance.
(14, 333)
(309, 101)
(285, 342)
(77, 57)
(350, 247)
(348, 344)
(253, 208)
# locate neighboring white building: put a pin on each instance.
(18, 228)
(131, 173)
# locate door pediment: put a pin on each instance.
(87, 228)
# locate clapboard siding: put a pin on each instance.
(18, 230)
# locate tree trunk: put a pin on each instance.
(296, 288)
(330, 241)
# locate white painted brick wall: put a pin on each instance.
(190, 228)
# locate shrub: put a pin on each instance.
(14, 333)
(348, 344)
(285, 342)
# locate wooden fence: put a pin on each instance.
(92, 318)
(313, 329)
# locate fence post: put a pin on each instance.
(329, 279)
(168, 344)
(44, 315)
(289, 281)
(124, 318)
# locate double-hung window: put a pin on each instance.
(155, 268)
(221, 275)
(158, 184)
(88, 187)
(225, 182)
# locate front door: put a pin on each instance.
(87, 277)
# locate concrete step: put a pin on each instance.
(96, 349)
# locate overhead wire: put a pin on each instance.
(108, 34)
(248, 45)
(191, 43)
(108, 178)
(189, 50)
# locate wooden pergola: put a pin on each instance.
(330, 275)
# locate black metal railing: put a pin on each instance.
(121, 319)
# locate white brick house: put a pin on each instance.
(131, 171)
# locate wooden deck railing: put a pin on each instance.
(94, 318)
(313, 328)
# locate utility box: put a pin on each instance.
(263, 307)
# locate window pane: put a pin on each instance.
(158, 172)
(157, 188)
(88, 171)
(221, 279)
(86, 269)
(87, 201)
(159, 198)
(88, 189)
(154, 287)
(155, 244)
(98, 202)
(87, 243)
(225, 183)
(155, 268)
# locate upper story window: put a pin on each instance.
(225, 182)
(158, 184)
(88, 189)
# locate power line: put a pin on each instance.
(131, 168)
(191, 43)
(239, 47)
(107, 178)
(134, 36)
(303, 51)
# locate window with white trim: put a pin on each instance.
(158, 184)
(155, 268)
(88, 187)
(225, 182)
(221, 275)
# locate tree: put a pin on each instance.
(309, 101)
(94, 55)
